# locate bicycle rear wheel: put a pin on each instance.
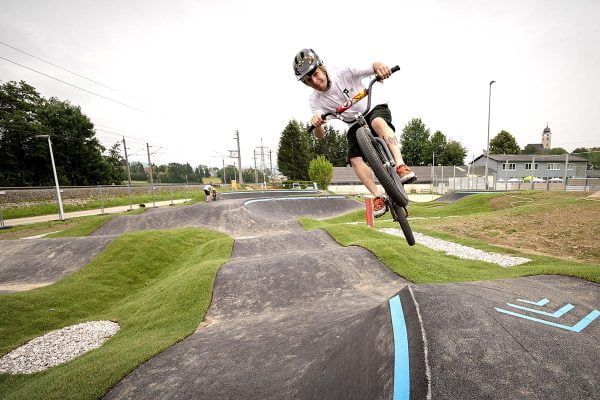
(390, 181)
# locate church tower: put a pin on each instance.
(546, 137)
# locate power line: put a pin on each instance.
(70, 84)
(64, 69)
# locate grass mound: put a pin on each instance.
(156, 284)
(480, 219)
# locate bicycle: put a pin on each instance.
(379, 158)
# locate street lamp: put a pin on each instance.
(487, 155)
(61, 214)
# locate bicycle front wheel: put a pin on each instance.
(390, 181)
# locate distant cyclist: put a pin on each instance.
(208, 191)
(333, 87)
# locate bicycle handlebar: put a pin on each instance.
(350, 103)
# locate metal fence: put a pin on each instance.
(442, 185)
(14, 197)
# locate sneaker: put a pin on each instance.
(379, 206)
(406, 174)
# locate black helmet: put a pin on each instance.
(305, 63)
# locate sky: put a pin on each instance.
(185, 75)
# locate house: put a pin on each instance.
(345, 181)
(546, 167)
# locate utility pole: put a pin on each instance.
(128, 174)
(262, 152)
(271, 162)
(237, 137)
(151, 179)
(565, 177)
(127, 161)
(255, 170)
(487, 154)
(61, 213)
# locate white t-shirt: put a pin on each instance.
(208, 187)
(345, 84)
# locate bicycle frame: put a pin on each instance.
(349, 103)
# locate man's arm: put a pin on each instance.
(382, 70)
(318, 122)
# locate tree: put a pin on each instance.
(558, 151)
(78, 153)
(320, 170)
(252, 175)
(294, 151)
(227, 174)
(24, 159)
(115, 165)
(437, 146)
(137, 171)
(592, 155)
(415, 143)
(334, 146)
(24, 114)
(454, 153)
(504, 143)
(529, 149)
(580, 150)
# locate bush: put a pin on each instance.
(320, 170)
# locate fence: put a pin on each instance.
(451, 184)
(16, 197)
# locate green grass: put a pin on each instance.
(51, 208)
(156, 284)
(420, 264)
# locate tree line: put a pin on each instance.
(505, 143)
(297, 147)
(26, 117)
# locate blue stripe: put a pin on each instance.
(540, 303)
(401, 364)
(578, 327)
(556, 314)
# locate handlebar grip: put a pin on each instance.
(323, 116)
(395, 68)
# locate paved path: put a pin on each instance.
(74, 214)
(296, 316)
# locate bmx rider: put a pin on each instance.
(336, 86)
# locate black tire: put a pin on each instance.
(391, 183)
(406, 229)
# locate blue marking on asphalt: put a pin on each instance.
(578, 327)
(401, 363)
(540, 303)
(556, 314)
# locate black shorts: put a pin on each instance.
(206, 192)
(381, 111)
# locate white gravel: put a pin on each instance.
(57, 347)
(458, 250)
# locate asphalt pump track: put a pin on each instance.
(297, 316)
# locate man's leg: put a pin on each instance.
(365, 175)
(384, 131)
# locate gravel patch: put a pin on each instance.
(460, 251)
(57, 347)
